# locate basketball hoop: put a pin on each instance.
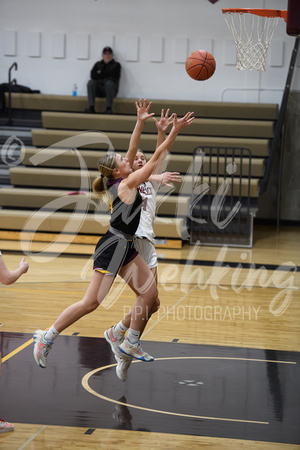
(252, 30)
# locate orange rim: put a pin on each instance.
(258, 12)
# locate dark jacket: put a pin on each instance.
(109, 71)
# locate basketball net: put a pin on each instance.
(252, 35)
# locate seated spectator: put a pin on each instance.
(104, 82)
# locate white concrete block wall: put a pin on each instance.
(56, 43)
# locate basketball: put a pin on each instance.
(200, 65)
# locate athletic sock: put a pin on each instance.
(51, 334)
(133, 336)
(119, 328)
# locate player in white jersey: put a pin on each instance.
(144, 236)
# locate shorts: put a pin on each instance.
(147, 251)
(113, 252)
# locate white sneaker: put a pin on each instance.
(41, 348)
(135, 350)
(5, 427)
(123, 366)
(114, 342)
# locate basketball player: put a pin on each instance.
(144, 238)
(115, 253)
(9, 277)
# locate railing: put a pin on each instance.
(10, 83)
(247, 90)
(221, 211)
(277, 135)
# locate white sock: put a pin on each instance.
(133, 336)
(51, 334)
(119, 328)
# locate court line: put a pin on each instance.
(17, 350)
(54, 292)
(226, 357)
(32, 437)
(246, 286)
(43, 290)
(230, 264)
(86, 386)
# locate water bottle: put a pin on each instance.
(74, 90)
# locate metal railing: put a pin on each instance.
(221, 195)
(277, 134)
(10, 83)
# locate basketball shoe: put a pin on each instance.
(135, 350)
(123, 366)
(114, 342)
(41, 348)
(5, 427)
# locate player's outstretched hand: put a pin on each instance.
(164, 122)
(143, 110)
(24, 265)
(180, 124)
(170, 177)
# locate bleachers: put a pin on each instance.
(64, 158)
(202, 127)
(59, 103)
(51, 189)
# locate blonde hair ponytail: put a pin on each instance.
(99, 187)
(106, 165)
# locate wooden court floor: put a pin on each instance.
(226, 343)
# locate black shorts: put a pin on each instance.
(113, 252)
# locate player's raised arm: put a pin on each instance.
(142, 115)
(162, 125)
(138, 177)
